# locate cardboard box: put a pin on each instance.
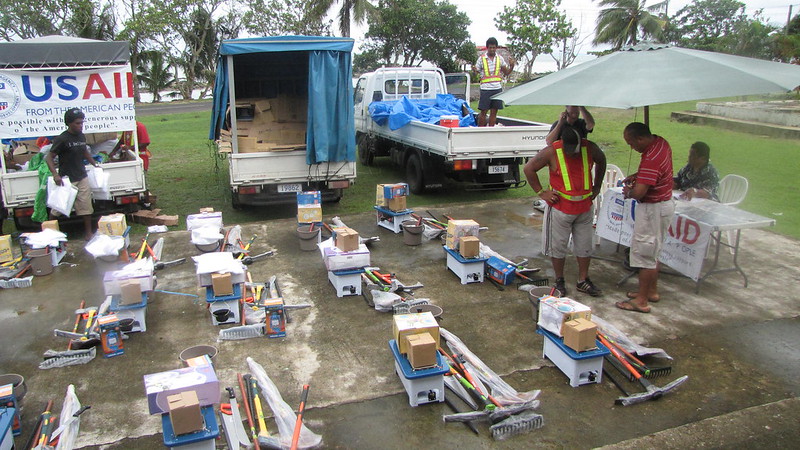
(397, 203)
(416, 323)
(221, 284)
(456, 229)
(112, 225)
(204, 279)
(309, 214)
(202, 360)
(51, 225)
(395, 190)
(201, 379)
(184, 413)
(6, 252)
(309, 198)
(421, 350)
(497, 269)
(554, 312)
(206, 210)
(113, 280)
(262, 105)
(347, 239)
(469, 247)
(580, 334)
(248, 144)
(336, 259)
(130, 292)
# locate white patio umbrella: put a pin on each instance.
(651, 74)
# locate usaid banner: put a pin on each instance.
(684, 246)
(32, 103)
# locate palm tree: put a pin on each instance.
(626, 22)
(154, 74)
(352, 10)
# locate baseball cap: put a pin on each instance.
(570, 139)
(72, 115)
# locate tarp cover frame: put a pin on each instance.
(54, 52)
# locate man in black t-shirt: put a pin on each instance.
(572, 117)
(71, 149)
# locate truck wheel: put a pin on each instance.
(414, 174)
(26, 224)
(366, 151)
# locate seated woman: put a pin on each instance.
(698, 178)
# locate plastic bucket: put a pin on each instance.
(18, 381)
(448, 121)
(534, 294)
(198, 350)
(308, 239)
(412, 232)
(41, 261)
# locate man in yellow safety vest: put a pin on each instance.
(569, 210)
(491, 67)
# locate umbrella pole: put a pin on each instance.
(647, 115)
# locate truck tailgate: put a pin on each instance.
(284, 167)
(19, 188)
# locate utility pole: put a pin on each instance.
(788, 20)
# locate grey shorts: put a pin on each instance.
(649, 230)
(83, 201)
(557, 228)
(486, 101)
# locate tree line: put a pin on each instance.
(174, 43)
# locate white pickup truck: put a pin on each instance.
(41, 78)
(481, 157)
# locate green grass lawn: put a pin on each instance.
(187, 175)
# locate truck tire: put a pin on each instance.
(366, 149)
(414, 177)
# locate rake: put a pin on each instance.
(55, 359)
(241, 332)
(653, 392)
(641, 367)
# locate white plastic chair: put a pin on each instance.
(613, 175)
(732, 190)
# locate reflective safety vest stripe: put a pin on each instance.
(562, 167)
(489, 77)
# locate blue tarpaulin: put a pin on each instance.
(330, 132)
(401, 112)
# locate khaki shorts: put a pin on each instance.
(649, 230)
(557, 227)
(83, 202)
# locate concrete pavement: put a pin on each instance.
(739, 346)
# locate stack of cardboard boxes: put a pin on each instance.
(417, 361)
(392, 196)
(570, 339)
(462, 236)
(185, 399)
(268, 125)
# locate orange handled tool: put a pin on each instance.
(299, 423)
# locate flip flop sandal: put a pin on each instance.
(632, 296)
(628, 305)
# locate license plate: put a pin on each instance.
(286, 188)
(498, 169)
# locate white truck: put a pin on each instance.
(481, 157)
(40, 79)
(283, 113)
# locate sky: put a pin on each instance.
(583, 14)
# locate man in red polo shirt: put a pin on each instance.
(651, 186)
(573, 186)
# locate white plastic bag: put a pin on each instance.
(61, 198)
(97, 177)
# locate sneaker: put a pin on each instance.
(587, 287)
(561, 286)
